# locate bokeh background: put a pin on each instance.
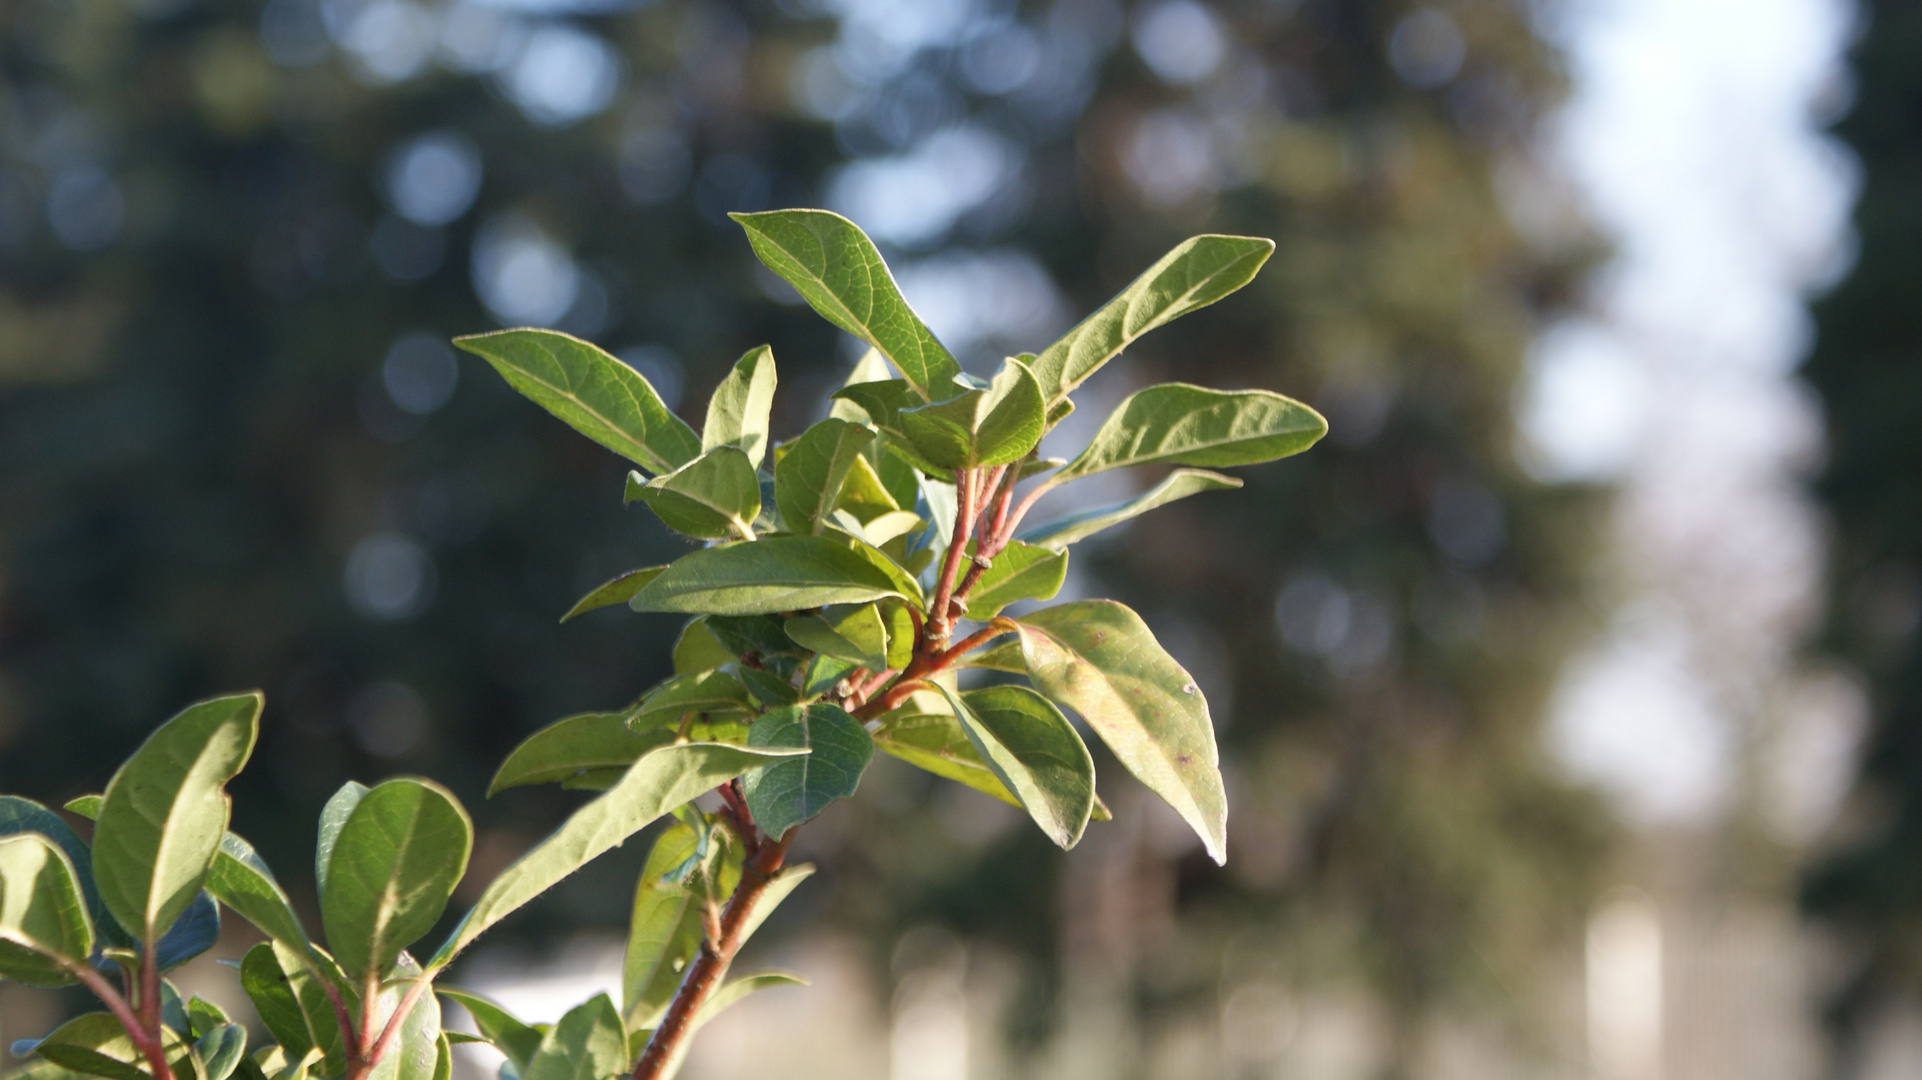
(1569, 691)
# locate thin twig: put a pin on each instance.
(716, 953)
(392, 1031)
(143, 1040)
(1027, 503)
(940, 621)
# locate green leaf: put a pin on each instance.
(616, 590)
(1005, 656)
(416, 1056)
(997, 425)
(293, 1003)
(589, 1043)
(96, 1044)
(1099, 659)
(221, 1049)
(205, 1016)
(1193, 425)
(900, 633)
(1180, 484)
(697, 649)
(822, 675)
(925, 733)
(596, 394)
(737, 414)
(511, 1037)
(569, 748)
(786, 793)
(761, 635)
(769, 690)
(778, 888)
(809, 476)
(340, 806)
(711, 693)
(19, 815)
(863, 493)
(1198, 272)
(664, 930)
(196, 931)
(87, 806)
(44, 926)
(396, 862)
(241, 880)
(1034, 752)
(872, 367)
(444, 1057)
(905, 586)
(836, 269)
(165, 811)
(731, 994)
(782, 573)
(714, 497)
(1019, 572)
(852, 632)
(660, 781)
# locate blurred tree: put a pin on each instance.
(234, 450)
(1867, 885)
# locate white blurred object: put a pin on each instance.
(521, 274)
(1180, 40)
(1624, 977)
(914, 198)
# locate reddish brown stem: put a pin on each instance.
(154, 1048)
(711, 963)
(145, 1038)
(974, 641)
(349, 1037)
(940, 620)
(391, 1032)
(1027, 503)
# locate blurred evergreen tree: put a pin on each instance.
(233, 453)
(1867, 364)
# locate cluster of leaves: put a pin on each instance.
(826, 609)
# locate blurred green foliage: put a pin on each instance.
(219, 469)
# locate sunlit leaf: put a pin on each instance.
(737, 413)
(714, 497)
(96, 1044)
(1178, 424)
(516, 1040)
(1179, 484)
(596, 394)
(809, 477)
(1198, 272)
(588, 1043)
(617, 590)
(165, 811)
(697, 649)
(44, 928)
(394, 865)
(997, 425)
(569, 748)
(660, 781)
(852, 632)
(1019, 572)
(293, 1004)
(1099, 659)
(241, 880)
(1034, 752)
(782, 573)
(836, 269)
